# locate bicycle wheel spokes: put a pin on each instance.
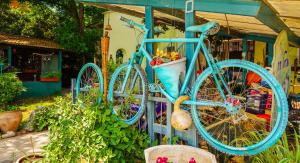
(239, 124)
(130, 101)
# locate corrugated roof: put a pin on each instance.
(27, 41)
(289, 12)
(286, 10)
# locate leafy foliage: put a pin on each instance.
(40, 118)
(69, 38)
(79, 26)
(79, 131)
(74, 26)
(34, 20)
(51, 74)
(10, 87)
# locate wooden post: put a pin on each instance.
(104, 49)
(9, 57)
(270, 53)
(245, 48)
(73, 90)
(190, 48)
(149, 46)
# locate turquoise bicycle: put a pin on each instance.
(222, 101)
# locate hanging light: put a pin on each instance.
(108, 26)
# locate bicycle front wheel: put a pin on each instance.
(89, 84)
(243, 125)
(128, 92)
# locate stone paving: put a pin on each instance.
(15, 147)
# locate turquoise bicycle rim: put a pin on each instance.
(99, 78)
(144, 83)
(282, 111)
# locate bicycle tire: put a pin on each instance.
(99, 77)
(132, 120)
(282, 111)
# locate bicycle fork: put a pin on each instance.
(130, 65)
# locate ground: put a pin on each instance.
(15, 147)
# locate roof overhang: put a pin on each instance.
(265, 17)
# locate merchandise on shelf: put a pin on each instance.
(258, 101)
(294, 101)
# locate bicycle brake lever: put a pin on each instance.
(129, 26)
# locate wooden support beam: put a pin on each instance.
(236, 7)
(262, 38)
(157, 20)
(270, 18)
(198, 20)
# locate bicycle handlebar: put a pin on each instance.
(125, 20)
(132, 23)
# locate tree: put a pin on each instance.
(37, 21)
(80, 26)
(75, 26)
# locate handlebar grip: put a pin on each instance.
(125, 19)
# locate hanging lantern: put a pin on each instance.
(14, 50)
(104, 50)
(108, 26)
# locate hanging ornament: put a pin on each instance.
(108, 26)
(14, 50)
(181, 119)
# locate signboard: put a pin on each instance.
(281, 67)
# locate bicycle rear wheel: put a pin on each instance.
(128, 104)
(241, 127)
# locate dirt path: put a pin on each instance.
(15, 147)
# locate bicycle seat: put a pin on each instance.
(210, 28)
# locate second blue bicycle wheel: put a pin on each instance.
(128, 92)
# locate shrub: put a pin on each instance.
(79, 131)
(10, 87)
(40, 118)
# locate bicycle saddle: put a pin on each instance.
(209, 28)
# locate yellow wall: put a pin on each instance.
(260, 53)
(127, 38)
(293, 54)
(121, 37)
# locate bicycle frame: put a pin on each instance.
(142, 52)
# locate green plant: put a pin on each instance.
(53, 74)
(10, 87)
(40, 118)
(79, 131)
(283, 151)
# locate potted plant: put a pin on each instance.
(50, 77)
(10, 116)
(32, 157)
(35, 157)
